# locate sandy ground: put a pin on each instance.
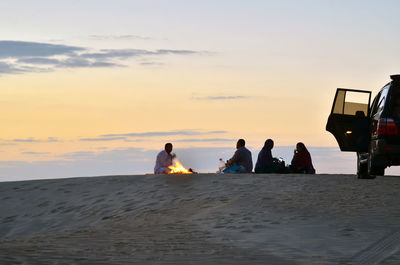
(201, 219)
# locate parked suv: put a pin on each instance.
(370, 130)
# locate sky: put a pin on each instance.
(98, 87)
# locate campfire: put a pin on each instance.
(179, 169)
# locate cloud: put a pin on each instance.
(13, 68)
(215, 132)
(34, 140)
(204, 140)
(184, 52)
(20, 49)
(152, 64)
(125, 136)
(7, 144)
(134, 140)
(219, 97)
(18, 57)
(39, 60)
(27, 140)
(127, 53)
(82, 62)
(119, 37)
(102, 139)
(9, 68)
(74, 61)
(78, 155)
(120, 54)
(36, 153)
(109, 156)
(164, 133)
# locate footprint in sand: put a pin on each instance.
(57, 209)
(107, 217)
(43, 204)
(347, 231)
(10, 219)
(69, 185)
(99, 200)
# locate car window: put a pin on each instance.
(374, 105)
(393, 100)
(351, 102)
(382, 99)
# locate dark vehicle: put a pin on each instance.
(370, 130)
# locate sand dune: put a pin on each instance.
(201, 219)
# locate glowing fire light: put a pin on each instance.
(178, 168)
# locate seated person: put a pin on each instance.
(266, 163)
(241, 161)
(301, 162)
(164, 160)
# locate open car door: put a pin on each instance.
(349, 119)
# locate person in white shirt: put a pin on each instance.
(164, 160)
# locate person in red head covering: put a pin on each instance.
(301, 162)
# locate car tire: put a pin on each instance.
(362, 168)
(374, 170)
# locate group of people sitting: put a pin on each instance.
(242, 162)
(301, 161)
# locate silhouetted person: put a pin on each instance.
(241, 161)
(164, 160)
(265, 161)
(301, 162)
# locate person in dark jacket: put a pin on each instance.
(266, 163)
(241, 161)
(301, 162)
(265, 160)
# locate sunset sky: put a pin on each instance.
(97, 87)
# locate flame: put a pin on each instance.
(178, 168)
